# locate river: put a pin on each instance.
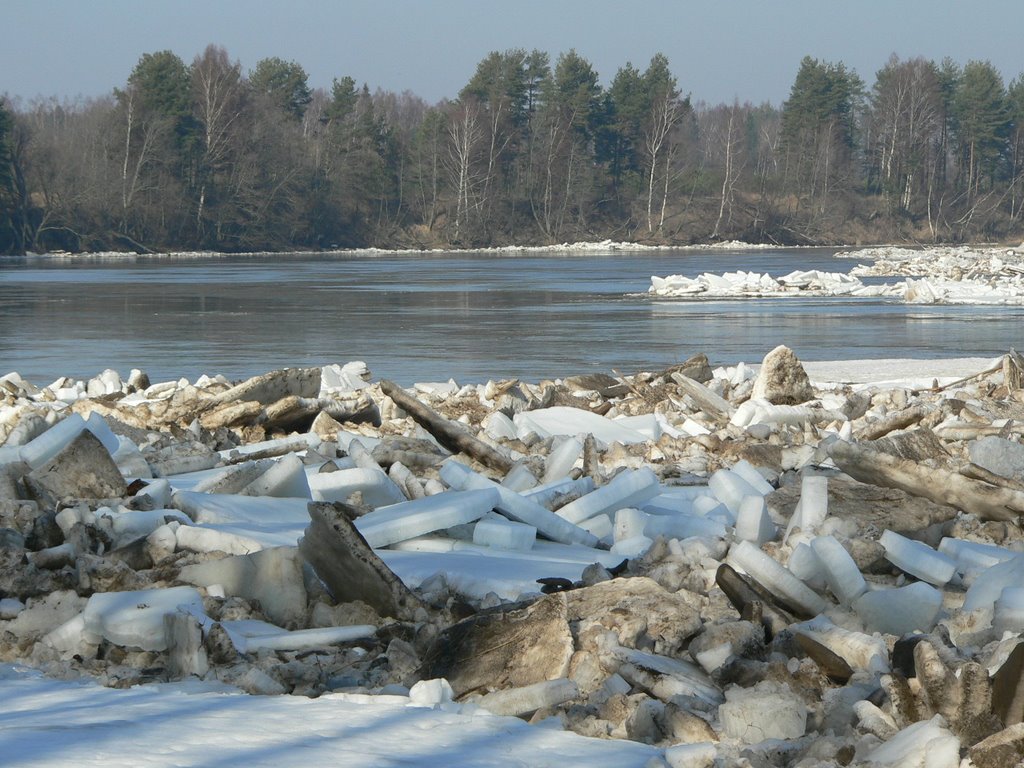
(427, 317)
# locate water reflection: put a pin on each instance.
(471, 316)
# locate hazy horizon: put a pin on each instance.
(744, 50)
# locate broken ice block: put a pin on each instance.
(194, 538)
(812, 509)
(634, 546)
(285, 478)
(387, 525)
(159, 491)
(530, 698)
(899, 611)
(807, 566)
(548, 494)
(628, 488)
(514, 505)
(562, 459)
(775, 578)
(766, 711)
(990, 583)
(917, 559)
(927, 743)
(519, 479)
(601, 527)
(683, 526)
(730, 489)
(748, 472)
(859, 650)
(629, 522)
(752, 521)
(706, 505)
(130, 525)
(499, 533)
(43, 448)
(841, 572)
(249, 636)
(1009, 610)
(564, 420)
(377, 489)
(136, 619)
(974, 555)
(701, 754)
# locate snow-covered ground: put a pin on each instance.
(931, 276)
(72, 723)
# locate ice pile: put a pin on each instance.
(728, 565)
(943, 275)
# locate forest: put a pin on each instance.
(206, 156)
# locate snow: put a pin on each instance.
(59, 723)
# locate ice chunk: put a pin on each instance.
(702, 754)
(249, 636)
(766, 711)
(351, 376)
(136, 619)
(194, 538)
(387, 525)
(562, 459)
(530, 698)
(775, 578)
(129, 525)
(730, 489)
(43, 448)
(913, 608)
(563, 420)
(755, 479)
(499, 533)
(629, 522)
(917, 559)
(431, 693)
(546, 495)
(927, 743)
(286, 478)
(499, 426)
(628, 488)
(1009, 610)
(807, 566)
(271, 576)
(376, 487)
(841, 572)
(601, 527)
(10, 607)
(633, 546)
(974, 555)
(812, 509)
(998, 455)
(519, 479)
(753, 522)
(986, 589)
(859, 650)
(520, 509)
(159, 491)
(683, 526)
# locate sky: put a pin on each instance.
(719, 50)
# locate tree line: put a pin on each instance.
(207, 156)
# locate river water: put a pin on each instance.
(470, 316)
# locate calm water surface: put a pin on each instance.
(470, 316)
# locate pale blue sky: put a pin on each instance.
(718, 49)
